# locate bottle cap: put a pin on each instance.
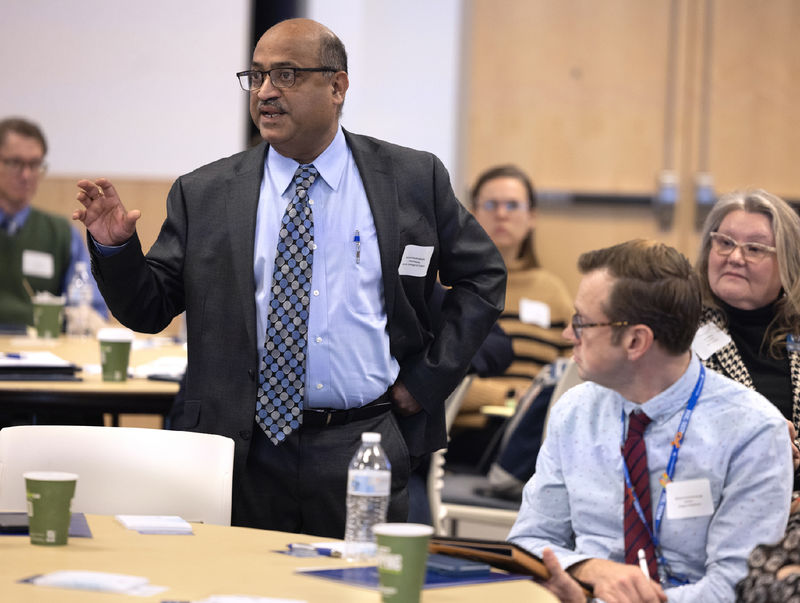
(371, 437)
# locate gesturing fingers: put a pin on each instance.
(87, 192)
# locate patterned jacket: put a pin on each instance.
(728, 361)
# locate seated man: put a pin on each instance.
(651, 416)
(39, 252)
(39, 249)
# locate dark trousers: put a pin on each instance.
(301, 485)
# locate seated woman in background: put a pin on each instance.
(538, 305)
(749, 268)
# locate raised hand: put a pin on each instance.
(103, 213)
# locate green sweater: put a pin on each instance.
(42, 249)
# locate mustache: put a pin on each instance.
(271, 102)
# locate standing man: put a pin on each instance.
(306, 267)
(653, 453)
(39, 250)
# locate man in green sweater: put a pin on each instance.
(39, 250)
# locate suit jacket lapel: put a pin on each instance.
(244, 185)
(377, 174)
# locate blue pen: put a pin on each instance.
(327, 552)
(12, 355)
(302, 549)
(357, 241)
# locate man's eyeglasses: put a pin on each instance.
(578, 325)
(751, 252)
(14, 164)
(281, 77)
(509, 206)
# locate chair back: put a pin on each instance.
(124, 470)
(569, 379)
(436, 471)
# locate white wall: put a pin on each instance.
(404, 64)
(120, 87)
(146, 88)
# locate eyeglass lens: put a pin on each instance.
(509, 206)
(725, 245)
(18, 165)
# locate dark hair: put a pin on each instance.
(23, 127)
(654, 285)
(332, 52)
(526, 249)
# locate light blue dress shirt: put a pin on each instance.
(78, 253)
(736, 439)
(348, 363)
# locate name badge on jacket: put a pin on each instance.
(415, 260)
(708, 340)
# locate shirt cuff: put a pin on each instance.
(108, 250)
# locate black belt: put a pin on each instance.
(325, 417)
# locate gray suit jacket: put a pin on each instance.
(202, 262)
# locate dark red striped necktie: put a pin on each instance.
(636, 534)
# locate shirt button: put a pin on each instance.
(311, 201)
(316, 292)
(319, 385)
(318, 340)
(313, 245)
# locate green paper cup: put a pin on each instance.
(402, 555)
(49, 495)
(48, 314)
(115, 351)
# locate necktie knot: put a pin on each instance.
(638, 423)
(304, 177)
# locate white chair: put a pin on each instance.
(436, 471)
(124, 470)
(568, 380)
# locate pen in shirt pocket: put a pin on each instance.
(357, 241)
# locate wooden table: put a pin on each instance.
(216, 560)
(136, 395)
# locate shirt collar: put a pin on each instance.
(330, 164)
(673, 399)
(18, 219)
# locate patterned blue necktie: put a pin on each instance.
(281, 383)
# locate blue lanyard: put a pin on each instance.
(666, 477)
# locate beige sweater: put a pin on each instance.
(534, 346)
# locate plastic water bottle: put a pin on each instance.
(79, 300)
(369, 481)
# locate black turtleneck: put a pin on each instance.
(771, 376)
